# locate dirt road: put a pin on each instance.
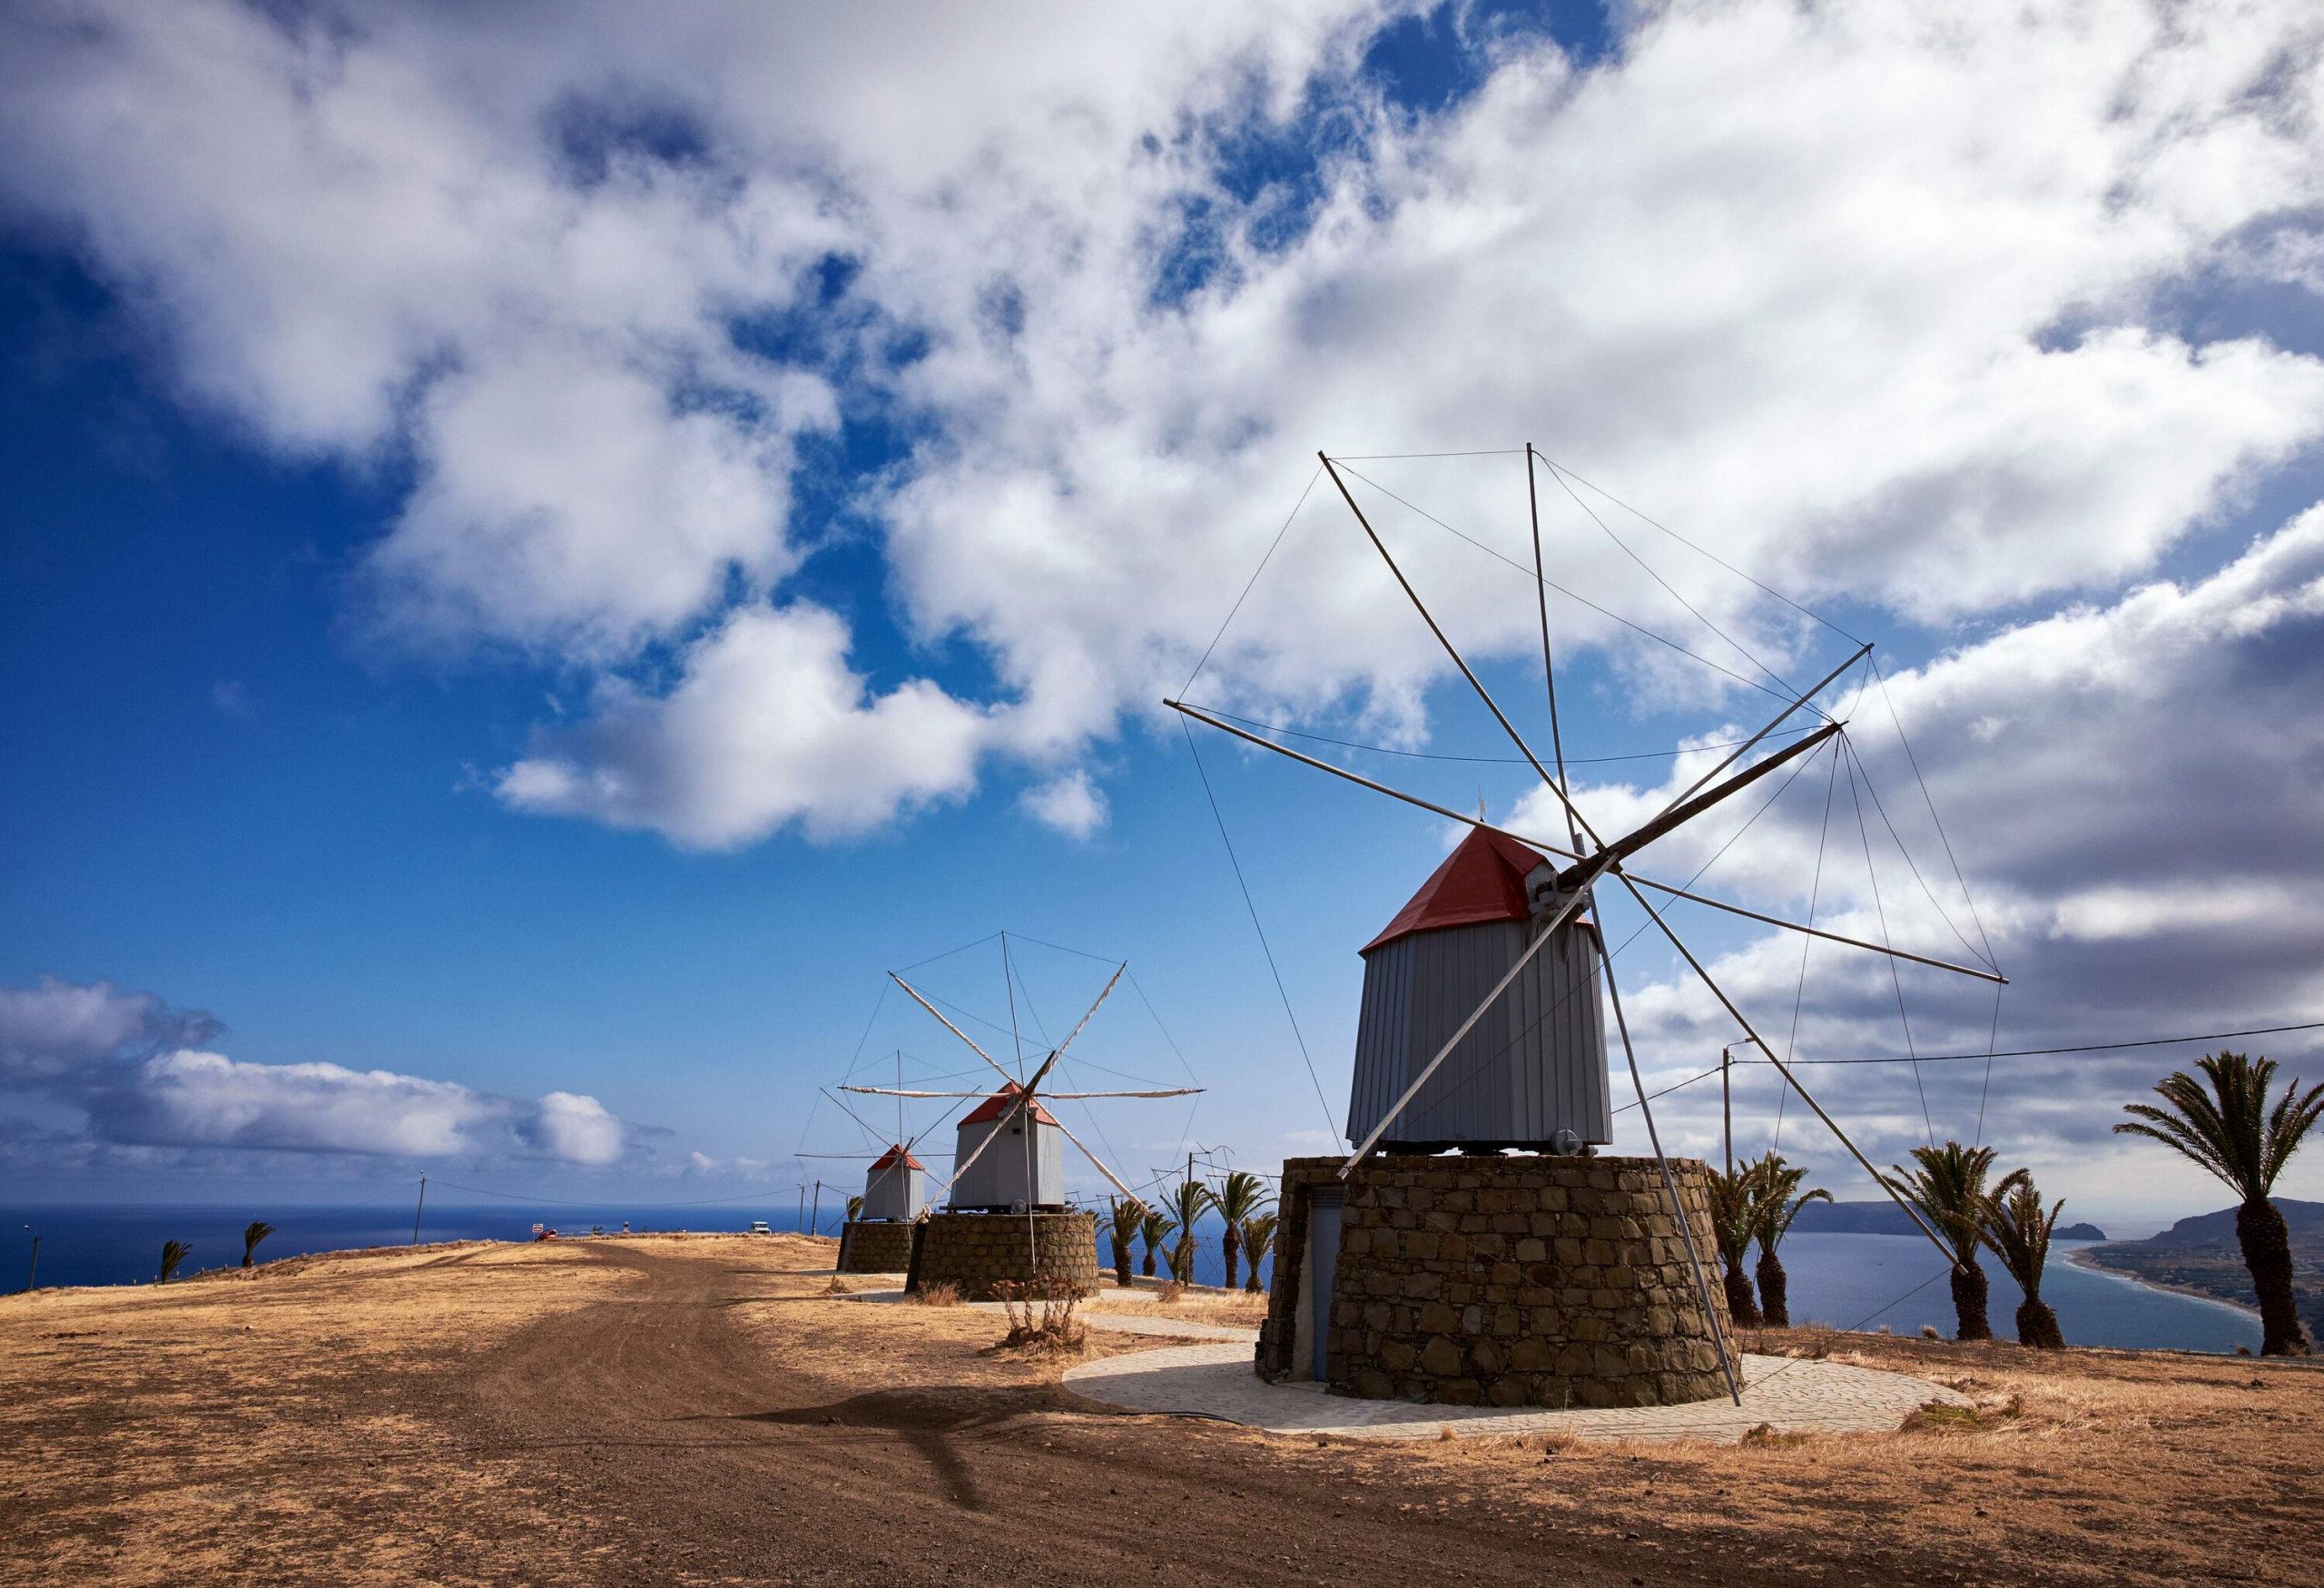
(695, 1411)
(708, 1446)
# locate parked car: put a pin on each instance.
(758, 1227)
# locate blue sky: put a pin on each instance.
(542, 560)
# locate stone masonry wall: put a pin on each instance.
(977, 1250)
(870, 1246)
(1504, 1281)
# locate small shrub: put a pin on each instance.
(1169, 1293)
(1942, 1417)
(943, 1293)
(1041, 1316)
(1929, 1332)
(839, 1287)
(1768, 1436)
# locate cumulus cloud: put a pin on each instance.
(53, 1030)
(768, 725)
(1072, 805)
(576, 1130)
(1885, 305)
(116, 1058)
(2131, 791)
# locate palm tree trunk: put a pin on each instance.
(1147, 1267)
(1969, 1302)
(1121, 1262)
(2037, 1325)
(1229, 1245)
(1739, 1304)
(1252, 1283)
(2266, 1252)
(1774, 1300)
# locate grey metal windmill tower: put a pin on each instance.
(1009, 1161)
(1471, 1037)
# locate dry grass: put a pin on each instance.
(298, 1426)
(1232, 1308)
(943, 1293)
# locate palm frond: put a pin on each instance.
(2015, 1229)
(2227, 1126)
(1948, 1190)
(1239, 1196)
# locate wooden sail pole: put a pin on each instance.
(1560, 852)
(1518, 739)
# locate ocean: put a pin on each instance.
(1851, 1281)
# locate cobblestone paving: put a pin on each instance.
(1792, 1394)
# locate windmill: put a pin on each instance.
(877, 1238)
(1502, 934)
(1025, 1176)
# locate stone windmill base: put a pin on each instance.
(1518, 1281)
(975, 1251)
(875, 1246)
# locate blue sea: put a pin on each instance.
(1850, 1281)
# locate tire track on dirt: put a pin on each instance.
(698, 1451)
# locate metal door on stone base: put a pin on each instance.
(1323, 1262)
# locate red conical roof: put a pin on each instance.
(895, 1155)
(1001, 1103)
(1483, 879)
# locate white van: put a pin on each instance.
(758, 1227)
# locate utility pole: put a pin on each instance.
(815, 1220)
(1727, 1103)
(415, 1212)
(35, 1272)
(799, 1220)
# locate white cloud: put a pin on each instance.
(1072, 805)
(1880, 305)
(767, 725)
(190, 1099)
(120, 1059)
(2133, 791)
(576, 1130)
(56, 1029)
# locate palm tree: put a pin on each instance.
(257, 1231)
(1731, 1196)
(1189, 1200)
(1948, 1190)
(1125, 1215)
(1775, 1201)
(2233, 1133)
(1239, 1198)
(854, 1209)
(1153, 1230)
(173, 1252)
(1258, 1234)
(2018, 1231)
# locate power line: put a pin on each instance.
(2040, 1052)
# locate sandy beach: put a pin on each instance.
(2081, 1259)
